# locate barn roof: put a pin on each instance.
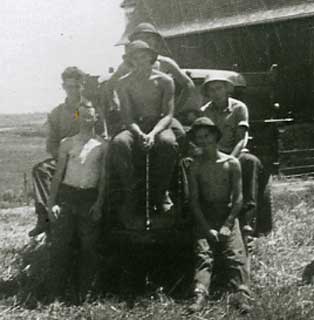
(181, 17)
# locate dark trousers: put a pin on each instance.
(128, 158)
(230, 253)
(42, 174)
(252, 176)
(73, 232)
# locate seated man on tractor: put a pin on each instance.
(147, 106)
(62, 122)
(147, 32)
(216, 199)
(75, 205)
(232, 118)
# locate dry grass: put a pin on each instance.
(277, 265)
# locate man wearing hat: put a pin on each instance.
(216, 199)
(62, 122)
(149, 34)
(147, 106)
(232, 118)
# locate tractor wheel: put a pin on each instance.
(264, 223)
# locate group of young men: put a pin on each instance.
(145, 85)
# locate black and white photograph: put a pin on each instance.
(157, 159)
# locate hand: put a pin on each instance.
(224, 233)
(213, 235)
(54, 213)
(150, 141)
(142, 137)
(96, 212)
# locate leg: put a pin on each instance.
(60, 251)
(89, 232)
(122, 164)
(42, 174)
(163, 158)
(251, 176)
(203, 271)
(236, 262)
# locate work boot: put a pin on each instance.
(42, 222)
(200, 301)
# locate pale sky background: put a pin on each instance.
(40, 38)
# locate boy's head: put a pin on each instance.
(72, 82)
(140, 55)
(147, 33)
(87, 115)
(204, 132)
(217, 87)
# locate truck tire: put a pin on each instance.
(264, 221)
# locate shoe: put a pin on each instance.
(41, 226)
(200, 301)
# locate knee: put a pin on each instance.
(248, 160)
(167, 140)
(122, 141)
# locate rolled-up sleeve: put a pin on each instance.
(243, 116)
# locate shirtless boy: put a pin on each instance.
(75, 204)
(147, 106)
(216, 199)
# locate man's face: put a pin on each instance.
(141, 59)
(205, 137)
(73, 88)
(217, 91)
(87, 116)
(151, 39)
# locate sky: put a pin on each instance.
(39, 39)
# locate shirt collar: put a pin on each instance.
(228, 109)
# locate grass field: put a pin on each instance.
(277, 262)
(277, 265)
(22, 145)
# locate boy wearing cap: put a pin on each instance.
(62, 122)
(147, 106)
(232, 118)
(75, 204)
(216, 199)
(149, 34)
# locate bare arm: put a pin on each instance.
(242, 130)
(242, 138)
(182, 79)
(60, 170)
(195, 201)
(167, 106)
(236, 184)
(103, 176)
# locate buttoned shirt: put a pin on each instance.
(63, 122)
(228, 120)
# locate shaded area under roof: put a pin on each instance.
(181, 17)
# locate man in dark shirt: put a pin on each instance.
(62, 122)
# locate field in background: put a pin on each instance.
(22, 145)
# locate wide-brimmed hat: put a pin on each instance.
(204, 122)
(144, 27)
(139, 45)
(217, 76)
